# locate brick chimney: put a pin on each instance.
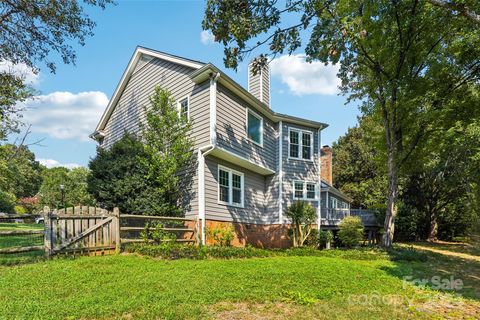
(259, 83)
(326, 156)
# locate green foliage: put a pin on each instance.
(7, 202)
(30, 31)
(20, 173)
(169, 147)
(75, 188)
(412, 65)
(118, 177)
(155, 232)
(351, 231)
(302, 216)
(357, 165)
(153, 175)
(222, 234)
(325, 236)
(407, 254)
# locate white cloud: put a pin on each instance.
(21, 70)
(65, 115)
(50, 163)
(302, 77)
(206, 37)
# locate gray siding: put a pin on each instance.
(254, 196)
(259, 84)
(232, 131)
(297, 169)
(128, 113)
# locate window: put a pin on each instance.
(311, 194)
(298, 190)
(300, 146)
(255, 127)
(294, 144)
(304, 190)
(230, 187)
(184, 109)
(333, 203)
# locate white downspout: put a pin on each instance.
(280, 172)
(319, 204)
(204, 151)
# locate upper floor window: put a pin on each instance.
(300, 144)
(254, 127)
(230, 187)
(184, 108)
(304, 190)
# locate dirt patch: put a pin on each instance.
(445, 252)
(445, 307)
(254, 311)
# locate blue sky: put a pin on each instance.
(71, 101)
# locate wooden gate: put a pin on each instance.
(81, 229)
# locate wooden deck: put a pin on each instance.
(331, 218)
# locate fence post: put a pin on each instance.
(197, 231)
(116, 219)
(47, 231)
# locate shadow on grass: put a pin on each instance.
(436, 271)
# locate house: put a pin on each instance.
(252, 162)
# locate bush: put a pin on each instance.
(302, 215)
(325, 237)
(154, 232)
(180, 251)
(222, 235)
(20, 210)
(351, 231)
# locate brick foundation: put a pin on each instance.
(257, 235)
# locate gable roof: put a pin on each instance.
(201, 72)
(139, 52)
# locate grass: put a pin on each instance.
(8, 241)
(333, 284)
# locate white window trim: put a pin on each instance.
(179, 106)
(256, 115)
(230, 187)
(304, 190)
(300, 144)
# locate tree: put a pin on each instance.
(171, 162)
(302, 216)
(75, 188)
(30, 31)
(357, 165)
(152, 174)
(119, 176)
(406, 61)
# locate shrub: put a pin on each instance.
(222, 235)
(351, 231)
(325, 237)
(155, 232)
(20, 210)
(302, 215)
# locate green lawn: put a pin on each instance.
(8, 241)
(133, 287)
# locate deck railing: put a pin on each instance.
(334, 216)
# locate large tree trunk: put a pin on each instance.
(389, 224)
(433, 232)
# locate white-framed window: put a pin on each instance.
(333, 203)
(230, 187)
(300, 144)
(304, 190)
(254, 127)
(183, 106)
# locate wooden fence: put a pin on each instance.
(95, 231)
(20, 240)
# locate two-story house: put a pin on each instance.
(252, 162)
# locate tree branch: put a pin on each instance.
(460, 7)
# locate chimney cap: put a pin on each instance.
(325, 146)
